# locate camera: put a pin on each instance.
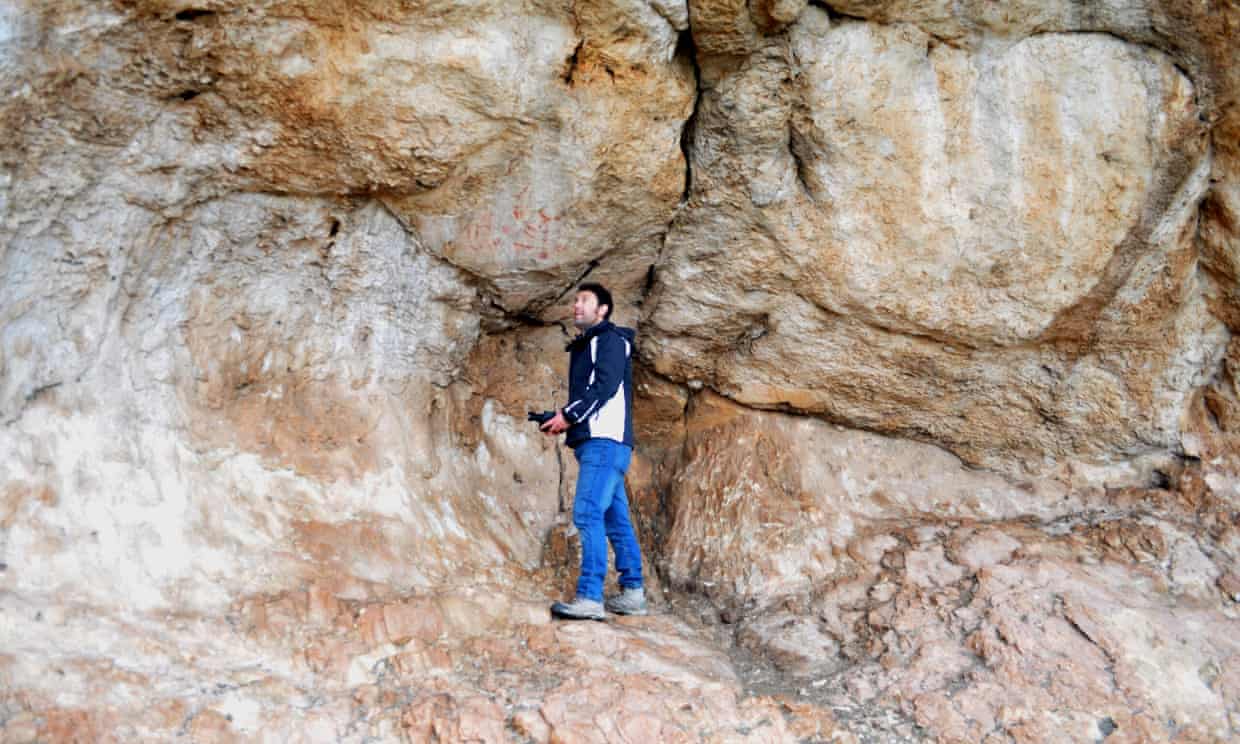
(540, 417)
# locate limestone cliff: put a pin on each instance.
(937, 397)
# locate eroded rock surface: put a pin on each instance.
(936, 392)
(1002, 612)
(471, 665)
(878, 227)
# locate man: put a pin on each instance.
(599, 422)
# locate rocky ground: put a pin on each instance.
(472, 665)
(1116, 624)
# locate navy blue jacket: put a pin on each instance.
(600, 385)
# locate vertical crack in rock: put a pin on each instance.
(685, 48)
(571, 64)
(649, 281)
(650, 284)
(796, 145)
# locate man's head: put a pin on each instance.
(592, 305)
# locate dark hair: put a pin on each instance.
(601, 294)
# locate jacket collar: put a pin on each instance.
(582, 338)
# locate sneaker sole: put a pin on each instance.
(637, 613)
(569, 616)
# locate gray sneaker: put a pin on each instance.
(579, 609)
(629, 601)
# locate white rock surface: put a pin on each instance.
(988, 246)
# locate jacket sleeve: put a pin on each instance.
(609, 364)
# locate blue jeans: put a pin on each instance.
(600, 508)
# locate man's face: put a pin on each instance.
(586, 310)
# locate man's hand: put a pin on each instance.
(556, 425)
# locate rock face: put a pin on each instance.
(863, 570)
(936, 392)
(987, 242)
(276, 264)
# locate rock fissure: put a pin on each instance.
(834, 13)
(571, 64)
(31, 398)
(799, 163)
